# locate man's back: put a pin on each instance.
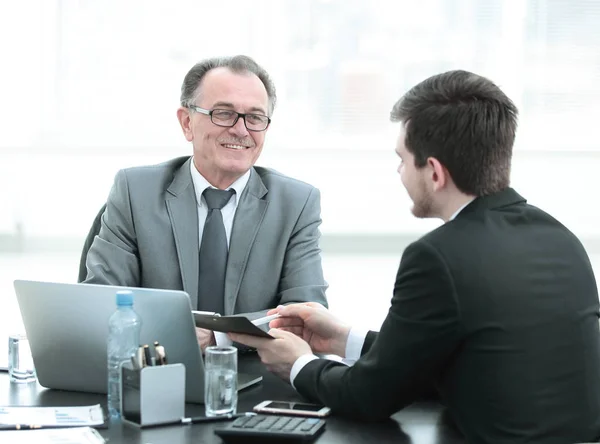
(529, 358)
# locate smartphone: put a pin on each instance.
(292, 408)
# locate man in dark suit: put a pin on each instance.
(497, 308)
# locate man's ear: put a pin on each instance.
(183, 115)
(440, 177)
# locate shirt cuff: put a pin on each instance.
(221, 339)
(299, 365)
(354, 344)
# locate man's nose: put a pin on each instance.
(239, 129)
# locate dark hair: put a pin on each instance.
(467, 123)
(237, 64)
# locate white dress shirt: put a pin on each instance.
(228, 212)
(356, 338)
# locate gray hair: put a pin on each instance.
(237, 64)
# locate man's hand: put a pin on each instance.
(277, 354)
(315, 324)
(205, 338)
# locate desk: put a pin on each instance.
(421, 423)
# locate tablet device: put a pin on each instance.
(229, 324)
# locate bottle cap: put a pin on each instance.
(124, 298)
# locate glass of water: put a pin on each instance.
(20, 362)
(220, 380)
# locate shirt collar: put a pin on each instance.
(200, 184)
(460, 209)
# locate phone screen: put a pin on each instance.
(294, 406)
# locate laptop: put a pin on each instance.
(67, 328)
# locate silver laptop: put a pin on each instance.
(67, 328)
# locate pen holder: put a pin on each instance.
(152, 395)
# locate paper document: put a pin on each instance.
(52, 416)
(79, 435)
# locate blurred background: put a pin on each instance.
(88, 87)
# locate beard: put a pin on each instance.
(422, 202)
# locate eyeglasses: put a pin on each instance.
(228, 118)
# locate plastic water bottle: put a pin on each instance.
(124, 328)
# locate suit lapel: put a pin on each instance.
(248, 218)
(183, 212)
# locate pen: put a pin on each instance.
(159, 352)
(147, 356)
(205, 419)
(206, 313)
(265, 320)
(19, 426)
(141, 360)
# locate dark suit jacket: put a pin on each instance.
(499, 310)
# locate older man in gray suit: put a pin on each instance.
(161, 228)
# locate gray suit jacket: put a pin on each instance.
(149, 238)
